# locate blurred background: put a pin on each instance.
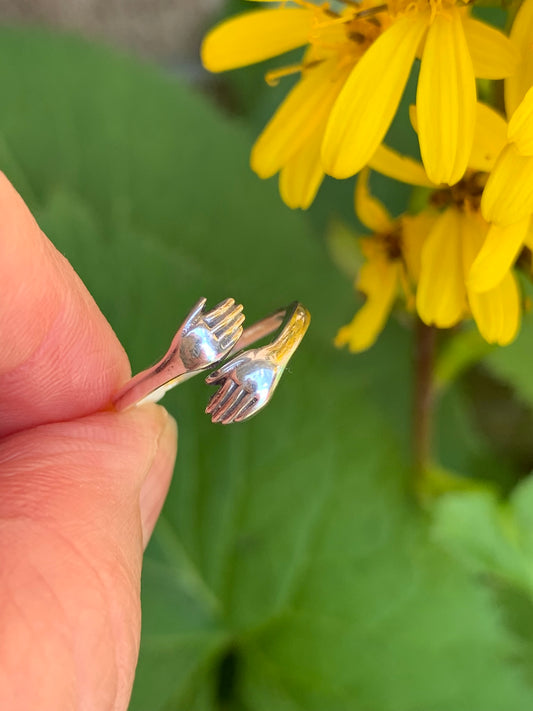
(168, 31)
(297, 565)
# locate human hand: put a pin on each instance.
(80, 487)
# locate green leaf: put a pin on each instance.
(494, 538)
(491, 536)
(291, 570)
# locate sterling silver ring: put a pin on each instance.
(207, 338)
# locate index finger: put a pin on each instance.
(59, 357)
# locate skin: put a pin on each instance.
(81, 486)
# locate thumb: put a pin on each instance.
(78, 501)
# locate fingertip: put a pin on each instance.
(59, 358)
(22, 254)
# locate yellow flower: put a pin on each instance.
(444, 296)
(518, 83)
(455, 48)
(391, 268)
(508, 196)
(352, 76)
(457, 248)
(503, 239)
(291, 142)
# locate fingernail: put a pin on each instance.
(155, 486)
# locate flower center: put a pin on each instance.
(362, 32)
(341, 37)
(464, 195)
(391, 244)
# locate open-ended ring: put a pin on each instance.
(207, 338)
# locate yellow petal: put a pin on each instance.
(473, 229)
(497, 312)
(255, 36)
(414, 119)
(519, 82)
(446, 100)
(440, 298)
(403, 168)
(493, 54)
(490, 136)
(520, 130)
(369, 209)
(366, 106)
(497, 255)
(302, 175)
(379, 281)
(303, 111)
(415, 230)
(508, 194)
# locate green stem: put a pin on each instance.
(423, 396)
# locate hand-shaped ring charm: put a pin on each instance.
(202, 340)
(247, 381)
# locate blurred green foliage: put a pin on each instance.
(292, 569)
